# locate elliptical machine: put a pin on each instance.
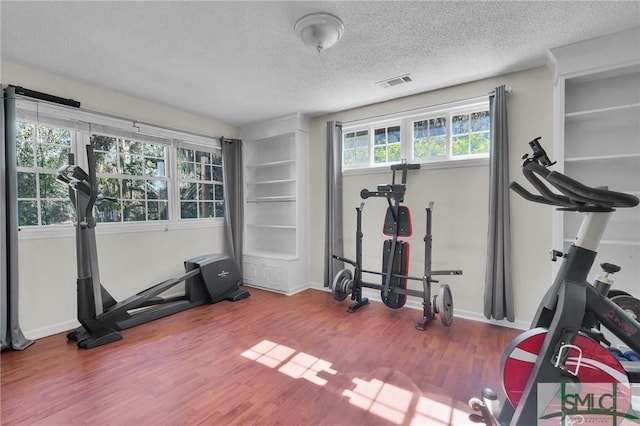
(395, 259)
(208, 278)
(564, 346)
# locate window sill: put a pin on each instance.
(68, 230)
(427, 165)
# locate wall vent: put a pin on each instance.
(395, 81)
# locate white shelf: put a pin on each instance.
(619, 173)
(603, 157)
(276, 211)
(271, 164)
(598, 136)
(605, 75)
(271, 255)
(272, 182)
(273, 199)
(255, 225)
(630, 110)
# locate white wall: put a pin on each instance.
(98, 99)
(134, 261)
(129, 262)
(460, 214)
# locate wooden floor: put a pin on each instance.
(267, 360)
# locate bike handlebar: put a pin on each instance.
(575, 194)
(598, 195)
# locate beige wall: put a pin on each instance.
(110, 102)
(133, 261)
(129, 262)
(460, 194)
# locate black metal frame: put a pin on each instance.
(571, 303)
(208, 279)
(394, 193)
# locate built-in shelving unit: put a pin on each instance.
(276, 231)
(597, 103)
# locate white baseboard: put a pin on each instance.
(297, 289)
(475, 316)
(50, 330)
(318, 286)
(374, 296)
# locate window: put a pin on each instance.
(458, 131)
(429, 138)
(145, 174)
(386, 145)
(41, 150)
(200, 180)
(470, 133)
(134, 173)
(355, 149)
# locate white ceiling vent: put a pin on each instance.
(395, 81)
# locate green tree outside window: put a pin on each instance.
(41, 150)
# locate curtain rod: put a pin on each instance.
(135, 123)
(19, 90)
(508, 91)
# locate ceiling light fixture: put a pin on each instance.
(319, 30)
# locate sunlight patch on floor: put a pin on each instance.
(429, 411)
(382, 399)
(307, 366)
(269, 353)
(302, 365)
(385, 400)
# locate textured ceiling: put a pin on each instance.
(240, 62)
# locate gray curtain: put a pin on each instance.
(333, 241)
(498, 291)
(10, 331)
(233, 197)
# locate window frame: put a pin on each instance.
(122, 176)
(387, 145)
(406, 121)
(179, 180)
(82, 124)
(38, 170)
(355, 147)
(468, 111)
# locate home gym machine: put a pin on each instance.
(395, 259)
(208, 279)
(564, 346)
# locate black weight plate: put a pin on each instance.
(629, 304)
(445, 305)
(341, 285)
(613, 293)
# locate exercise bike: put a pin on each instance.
(395, 262)
(564, 348)
(208, 278)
